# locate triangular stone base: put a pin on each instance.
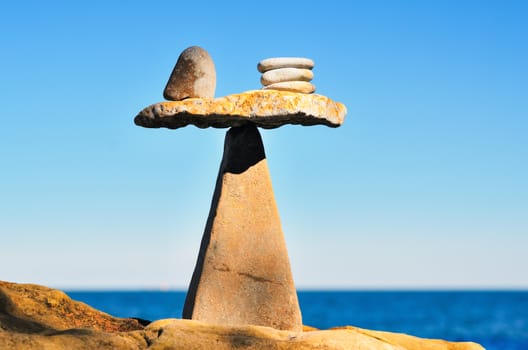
(243, 273)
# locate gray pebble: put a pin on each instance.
(194, 75)
(286, 74)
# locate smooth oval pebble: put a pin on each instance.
(292, 86)
(284, 62)
(286, 74)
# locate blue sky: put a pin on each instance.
(424, 186)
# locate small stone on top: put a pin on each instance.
(286, 74)
(284, 62)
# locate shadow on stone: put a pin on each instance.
(15, 323)
(33, 309)
(243, 148)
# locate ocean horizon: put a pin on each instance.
(496, 319)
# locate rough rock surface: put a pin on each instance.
(34, 317)
(243, 273)
(193, 76)
(175, 334)
(264, 108)
(34, 308)
(37, 317)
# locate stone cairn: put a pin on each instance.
(242, 274)
(287, 74)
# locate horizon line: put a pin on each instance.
(307, 289)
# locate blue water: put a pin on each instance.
(496, 320)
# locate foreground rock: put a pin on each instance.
(243, 273)
(175, 334)
(31, 308)
(264, 108)
(35, 317)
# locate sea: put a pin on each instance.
(498, 320)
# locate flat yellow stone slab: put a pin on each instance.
(265, 108)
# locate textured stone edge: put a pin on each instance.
(172, 333)
(265, 108)
(187, 334)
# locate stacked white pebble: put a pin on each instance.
(287, 74)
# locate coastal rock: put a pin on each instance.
(186, 334)
(243, 275)
(286, 74)
(31, 308)
(193, 76)
(302, 87)
(264, 108)
(284, 62)
(29, 316)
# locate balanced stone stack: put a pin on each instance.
(287, 74)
